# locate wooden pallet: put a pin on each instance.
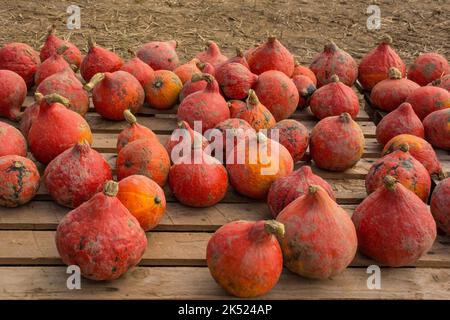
(173, 267)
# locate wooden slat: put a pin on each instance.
(196, 283)
(164, 249)
(347, 192)
(46, 215)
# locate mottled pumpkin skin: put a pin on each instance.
(278, 93)
(402, 120)
(254, 179)
(101, 237)
(235, 80)
(187, 70)
(190, 87)
(305, 87)
(256, 114)
(211, 55)
(334, 61)
(12, 142)
(133, 132)
(333, 99)
(117, 92)
(300, 70)
(336, 143)
(420, 149)
(405, 168)
(56, 129)
(97, 60)
(428, 99)
(162, 91)
(175, 140)
(375, 65)
(440, 205)
(144, 198)
(271, 55)
(56, 63)
(200, 184)
(20, 58)
(144, 157)
(51, 45)
(428, 67)
(244, 259)
(13, 91)
(159, 55)
(235, 106)
(293, 135)
(207, 106)
(388, 94)
(76, 175)
(20, 180)
(234, 128)
(320, 239)
(27, 117)
(437, 128)
(138, 69)
(67, 85)
(286, 189)
(394, 227)
(443, 82)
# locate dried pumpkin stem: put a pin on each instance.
(132, 53)
(157, 199)
(334, 78)
(38, 96)
(345, 117)
(110, 188)
(129, 116)
(404, 147)
(394, 73)
(97, 78)
(200, 65)
(91, 42)
(274, 227)
(330, 47)
(271, 39)
(387, 39)
(441, 175)
(56, 98)
(312, 189)
(18, 164)
(239, 53)
(51, 29)
(252, 97)
(389, 182)
(202, 76)
(63, 48)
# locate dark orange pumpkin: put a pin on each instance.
(305, 87)
(428, 67)
(388, 94)
(53, 42)
(437, 128)
(187, 70)
(13, 91)
(144, 157)
(113, 93)
(138, 69)
(12, 142)
(440, 205)
(405, 168)
(212, 55)
(20, 58)
(428, 99)
(255, 113)
(144, 198)
(160, 55)
(244, 257)
(134, 131)
(300, 70)
(20, 180)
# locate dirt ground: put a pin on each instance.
(304, 26)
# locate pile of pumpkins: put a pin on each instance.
(255, 92)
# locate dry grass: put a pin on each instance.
(304, 26)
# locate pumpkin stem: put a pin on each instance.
(180, 125)
(274, 227)
(82, 146)
(157, 199)
(129, 117)
(18, 164)
(330, 47)
(252, 98)
(404, 147)
(132, 53)
(38, 96)
(62, 49)
(345, 117)
(389, 182)
(271, 39)
(91, 42)
(386, 39)
(201, 65)
(98, 77)
(56, 98)
(335, 78)
(312, 189)
(239, 53)
(110, 188)
(394, 73)
(441, 175)
(51, 30)
(202, 76)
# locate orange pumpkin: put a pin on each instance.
(163, 89)
(145, 157)
(255, 113)
(144, 198)
(187, 70)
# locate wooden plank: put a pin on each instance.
(347, 192)
(196, 283)
(163, 249)
(46, 215)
